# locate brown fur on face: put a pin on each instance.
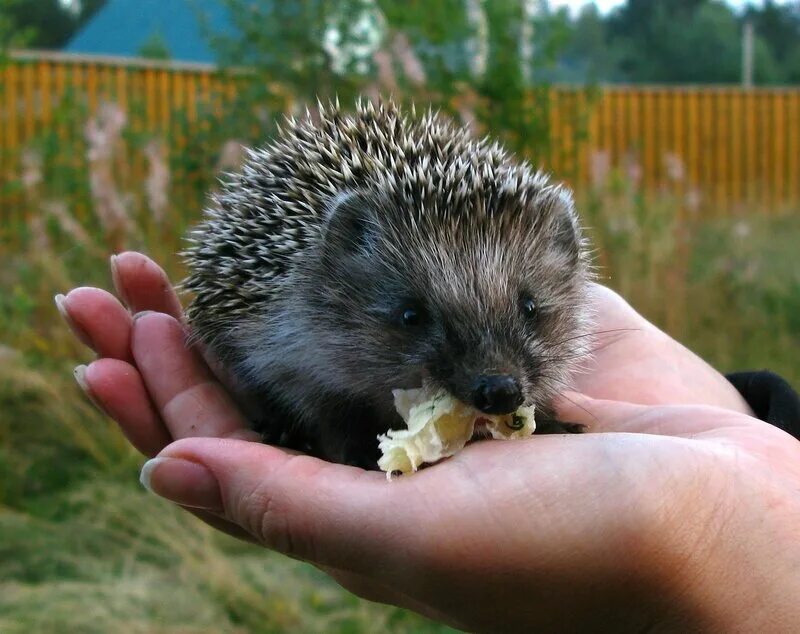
(309, 261)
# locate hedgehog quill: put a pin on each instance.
(368, 252)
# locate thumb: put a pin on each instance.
(601, 416)
(598, 416)
(303, 507)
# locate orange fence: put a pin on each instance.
(718, 149)
(34, 84)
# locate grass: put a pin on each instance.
(84, 549)
(727, 287)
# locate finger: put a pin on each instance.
(364, 587)
(604, 416)
(212, 518)
(331, 515)
(185, 393)
(368, 588)
(595, 415)
(98, 320)
(117, 389)
(221, 524)
(143, 285)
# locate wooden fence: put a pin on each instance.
(720, 150)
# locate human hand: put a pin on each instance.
(145, 377)
(673, 518)
(551, 532)
(634, 361)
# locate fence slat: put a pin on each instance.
(793, 147)
(780, 145)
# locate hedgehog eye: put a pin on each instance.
(411, 317)
(411, 314)
(529, 307)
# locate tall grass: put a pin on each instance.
(728, 287)
(83, 549)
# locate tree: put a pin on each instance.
(588, 52)
(155, 47)
(445, 36)
(12, 34)
(792, 67)
(485, 54)
(778, 26)
(304, 45)
(49, 23)
(683, 41)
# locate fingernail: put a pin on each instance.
(80, 378)
(146, 473)
(76, 330)
(117, 281)
(142, 313)
(182, 481)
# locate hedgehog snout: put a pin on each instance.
(497, 394)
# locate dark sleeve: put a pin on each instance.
(773, 400)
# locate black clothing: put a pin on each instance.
(773, 400)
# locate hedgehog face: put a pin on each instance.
(490, 309)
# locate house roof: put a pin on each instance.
(121, 27)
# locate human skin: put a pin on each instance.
(678, 511)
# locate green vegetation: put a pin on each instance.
(82, 548)
(49, 23)
(727, 287)
(680, 42)
(665, 41)
(155, 47)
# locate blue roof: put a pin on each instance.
(121, 27)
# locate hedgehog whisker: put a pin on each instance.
(581, 354)
(581, 407)
(602, 346)
(596, 334)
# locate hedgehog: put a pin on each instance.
(368, 251)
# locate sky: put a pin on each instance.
(605, 5)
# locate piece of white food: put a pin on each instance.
(439, 426)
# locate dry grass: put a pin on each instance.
(84, 549)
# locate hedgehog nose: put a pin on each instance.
(497, 394)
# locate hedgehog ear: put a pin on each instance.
(563, 224)
(351, 228)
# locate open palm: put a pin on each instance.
(552, 532)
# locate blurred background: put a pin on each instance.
(676, 121)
